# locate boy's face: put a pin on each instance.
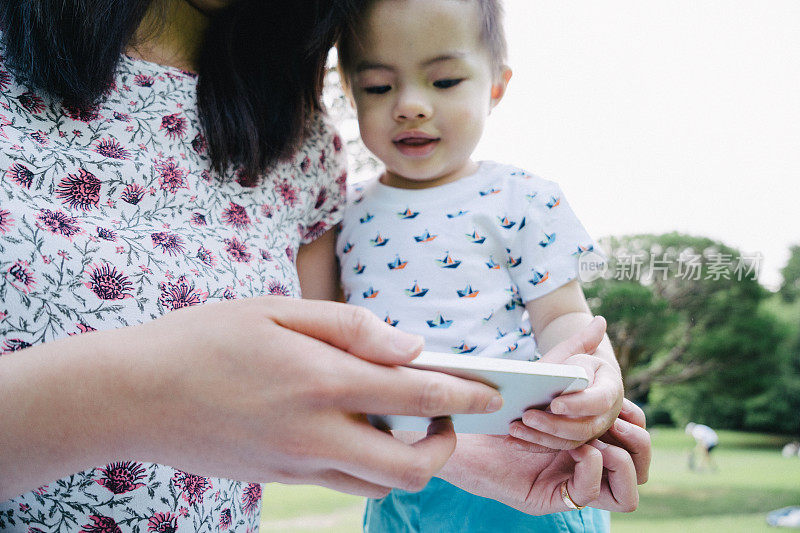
(423, 87)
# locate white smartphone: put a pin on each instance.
(523, 385)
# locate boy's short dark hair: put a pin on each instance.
(492, 36)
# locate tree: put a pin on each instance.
(684, 316)
(778, 408)
(790, 287)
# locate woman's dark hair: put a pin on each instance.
(261, 65)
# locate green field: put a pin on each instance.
(752, 478)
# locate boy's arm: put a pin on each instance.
(318, 269)
(577, 418)
(560, 314)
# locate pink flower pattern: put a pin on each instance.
(251, 498)
(236, 216)
(111, 148)
(21, 175)
(5, 221)
(120, 478)
(79, 191)
(163, 523)
(180, 294)
(191, 486)
(171, 176)
(118, 220)
(101, 524)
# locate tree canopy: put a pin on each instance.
(686, 316)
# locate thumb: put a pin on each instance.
(352, 329)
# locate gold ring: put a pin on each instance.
(567, 499)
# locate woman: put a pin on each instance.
(133, 188)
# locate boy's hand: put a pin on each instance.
(574, 419)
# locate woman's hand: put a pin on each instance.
(267, 389)
(603, 474)
(574, 419)
(629, 432)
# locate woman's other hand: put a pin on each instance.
(602, 474)
(267, 389)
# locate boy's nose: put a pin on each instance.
(411, 107)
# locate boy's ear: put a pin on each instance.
(499, 88)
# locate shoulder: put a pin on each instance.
(519, 186)
(322, 134)
(361, 192)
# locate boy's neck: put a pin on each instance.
(390, 179)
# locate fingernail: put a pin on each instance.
(494, 404)
(557, 408)
(619, 426)
(405, 344)
(600, 445)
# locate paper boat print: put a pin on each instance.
(416, 291)
(397, 264)
(468, 292)
(370, 293)
(448, 262)
(378, 241)
(425, 237)
(475, 238)
(505, 223)
(581, 249)
(439, 322)
(408, 214)
(539, 278)
(548, 240)
(463, 348)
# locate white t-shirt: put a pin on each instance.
(705, 434)
(456, 263)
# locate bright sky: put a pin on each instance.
(661, 115)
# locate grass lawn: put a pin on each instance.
(752, 478)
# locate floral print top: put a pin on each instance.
(111, 216)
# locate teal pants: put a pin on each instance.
(443, 508)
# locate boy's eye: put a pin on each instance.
(378, 89)
(448, 83)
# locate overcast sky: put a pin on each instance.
(661, 115)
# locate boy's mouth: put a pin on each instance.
(415, 143)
